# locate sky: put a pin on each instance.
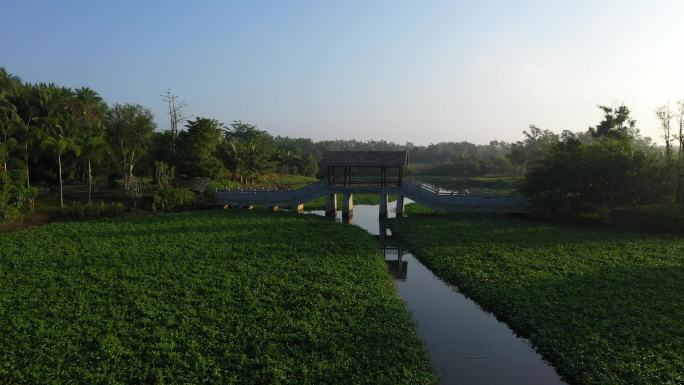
(403, 71)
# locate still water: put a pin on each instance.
(467, 345)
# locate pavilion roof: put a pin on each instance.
(366, 158)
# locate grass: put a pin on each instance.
(605, 307)
(285, 180)
(217, 296)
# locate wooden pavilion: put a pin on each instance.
(365, 169)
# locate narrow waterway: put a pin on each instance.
(467, 345)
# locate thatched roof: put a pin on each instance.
(366, 158)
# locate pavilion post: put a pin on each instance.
(400, 205)
(331, 205)
(383, 205)
(348, 205)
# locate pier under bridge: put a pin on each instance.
(370, 172)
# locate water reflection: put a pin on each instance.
(467, 345)
(396, 265)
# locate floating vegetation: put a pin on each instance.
(605, 307)
(222, 297)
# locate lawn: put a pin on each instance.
(605, 307)
(217, 296)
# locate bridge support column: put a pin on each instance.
(348, 205)
(383, 205)
(331, 205)
(400, 205)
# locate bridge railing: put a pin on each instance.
(422, 187)
(265, 196)
(435, 198)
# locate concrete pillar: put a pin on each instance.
(400, 205)
(383, 205)
(331, 205)
(299, 208)
(348, 205)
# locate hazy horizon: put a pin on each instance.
(398, 71)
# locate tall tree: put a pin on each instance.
(680, 152)
(60, 145)
(246, 151)
(59, 126)
(616, 124)
(129, 130)
(89, 109)
(93, 149)
(9, 84)
(664, 115)
(175, 110)
(197, 148)
(29, 131)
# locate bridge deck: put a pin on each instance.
(436, 200)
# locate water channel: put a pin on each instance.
(467, 345)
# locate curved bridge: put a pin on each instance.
(434, 199)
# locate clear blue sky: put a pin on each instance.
(419, 71)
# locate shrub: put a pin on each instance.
(666, 216)
(201, 185)
(9, 214)
(226, 184)
(15, 196)
(93, 210)
(170, 198)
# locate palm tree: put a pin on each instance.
(27, 103)
(59, 145)
(93, 149)
(89, 109)
(8, 111)
(6, 148)
(58, 123)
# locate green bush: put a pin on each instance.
(170, 198)
(9, 214)
(93, 210)
(667, 216)
(226, 184)
(15, 196)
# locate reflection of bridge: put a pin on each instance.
(371, 172)
(396, 265)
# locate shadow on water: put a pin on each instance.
(467, 345)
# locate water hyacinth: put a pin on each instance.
(217, 296)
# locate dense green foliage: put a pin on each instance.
(173, 197)
(202, 297)
(607, 166)
(608, 173)
(197, 148)
(604, 307)
(15, 196)
(93, 209)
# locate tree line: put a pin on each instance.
(52, 135)
(605, 168)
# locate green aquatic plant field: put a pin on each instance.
(605, 307)
(216, 297)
